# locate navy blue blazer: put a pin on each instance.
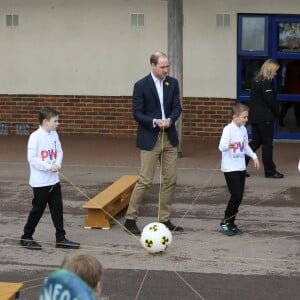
(146, 107)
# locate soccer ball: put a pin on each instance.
(156, 237)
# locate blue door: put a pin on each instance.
(261, 37)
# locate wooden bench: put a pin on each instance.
(9, 290)
(109, 202)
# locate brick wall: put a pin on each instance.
(99, 115)
(205, 117)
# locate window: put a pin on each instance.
(287, 36)
(253, 35)
(272, 36)
(250, 67)
(223, 20)
(12, 20)
(288, 76)
(137, 20)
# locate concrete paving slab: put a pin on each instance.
(201, 263)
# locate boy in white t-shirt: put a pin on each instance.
(44, 155)
(234, 146)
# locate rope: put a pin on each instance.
(102, 209)
(255, 204)
(160, 173)
(200, 297)
(141, 285)
(231, 260)
(198, 195)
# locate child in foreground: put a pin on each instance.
(87, 267)
(44, 154)
(234, 146)
(79, 277)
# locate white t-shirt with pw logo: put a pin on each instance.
(43, 150)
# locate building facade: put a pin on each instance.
(83, 58)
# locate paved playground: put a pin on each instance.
(201, 263)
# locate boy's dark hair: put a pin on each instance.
(47, 113)
(238, 108)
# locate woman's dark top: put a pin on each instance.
(263, 104)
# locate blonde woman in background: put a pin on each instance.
(264, 109)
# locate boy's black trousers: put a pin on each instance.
(42, 196)
(236, 183)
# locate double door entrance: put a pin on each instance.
(261, 37)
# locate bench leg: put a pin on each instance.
(97, 219)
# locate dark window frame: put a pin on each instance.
(271, 50)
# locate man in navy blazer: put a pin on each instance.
(156, 107)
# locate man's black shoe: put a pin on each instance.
(172, 227)
(131, 226)
(275, 175)
(65, 243)
(30, 244)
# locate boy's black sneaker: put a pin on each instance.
(236, 229)
(131, 226)
(227, 229)
(30, 244)
(65, 243)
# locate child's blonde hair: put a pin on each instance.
(238, 108)
(87, 267)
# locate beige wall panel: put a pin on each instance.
(78, 46)
(209, 51)
(88, 47)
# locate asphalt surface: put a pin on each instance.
(201, 263)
